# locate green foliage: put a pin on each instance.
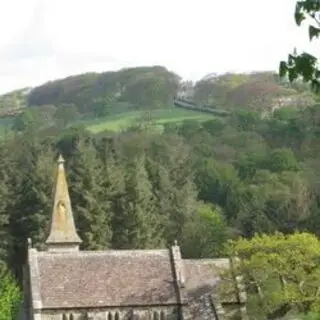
(13, 103)
(310, 316)
(143, 87)
(91, 205)
(281, 160)
(10, 295)
(205, 233)
(304, 65)
(159, 118)
(281, 272)
(136, 220)
(261, 91)
(28, 119)
(101, 107)
(65, 114)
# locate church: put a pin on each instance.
(66, 283)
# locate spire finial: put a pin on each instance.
(60, 159)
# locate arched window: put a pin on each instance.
(156, 315)
(65, 317)
(71, 316)
(110, 316)
(117, 316)
(162, 315)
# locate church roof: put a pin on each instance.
(104, 278)
(205, 276)
(64, 277)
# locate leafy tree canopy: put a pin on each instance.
(281, 272)
(304, 64)
(9, 295)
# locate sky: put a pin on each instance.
(42, 40)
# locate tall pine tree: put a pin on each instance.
(135, 223)
(5, 199)
(31, 180)
(88, 195)
(176, 194)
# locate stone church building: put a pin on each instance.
(65, 283)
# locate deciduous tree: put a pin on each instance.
(282, 273)
(304, 64)
(10, 295)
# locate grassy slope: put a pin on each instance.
(122, 121)
(160, 117)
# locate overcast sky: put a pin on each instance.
(41, 40)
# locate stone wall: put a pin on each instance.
(161, 313)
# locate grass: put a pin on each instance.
(122, 121)
(159, 117)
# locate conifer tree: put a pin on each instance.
(88, 195)
(174, 187)
(5, 192)
(135, 223)
(31, 181)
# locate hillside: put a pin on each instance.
(259, 91)
(93, 97)
(160, 117)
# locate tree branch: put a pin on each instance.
(313, 16)
(301, 284)
(279, 312)
(318, 292)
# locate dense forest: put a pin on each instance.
(202, 183)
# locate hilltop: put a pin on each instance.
(93, 97)
(139, 86)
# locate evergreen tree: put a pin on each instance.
(135, 223)
(174, 187)
(5, 193)
(32, 187)
(88, 195)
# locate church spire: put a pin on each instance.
(63, 234)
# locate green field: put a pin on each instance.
(159, 117)
(122, 121)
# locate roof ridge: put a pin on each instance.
(164, 252)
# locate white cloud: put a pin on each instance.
(42, 40)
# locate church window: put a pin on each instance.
(65, 317)
(88, 316)
(156, 315)
(71, 317)
(110, 316)
(117, 316)
(162, 316)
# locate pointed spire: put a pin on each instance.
(63, 234)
